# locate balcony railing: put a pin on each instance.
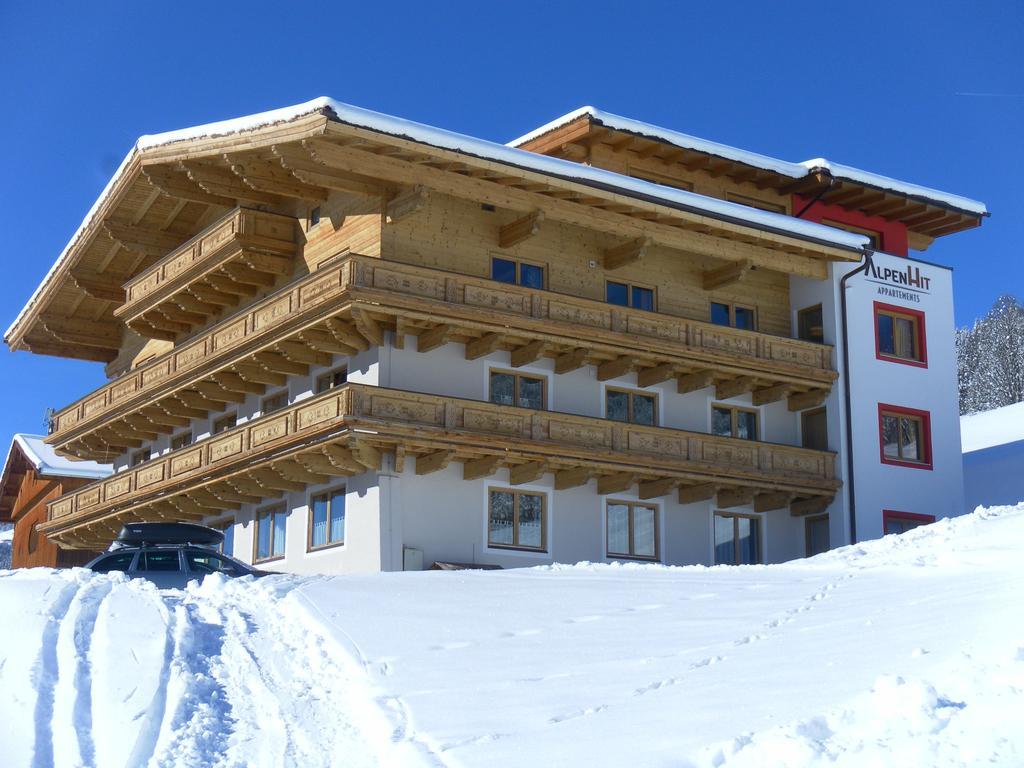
(236, 256)
(345, 305)
(346, 430)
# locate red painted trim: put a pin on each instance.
(892, 234)
(926, 436)
(892, 514)
(922, 341)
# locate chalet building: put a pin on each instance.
(359, 343)
(32, 476)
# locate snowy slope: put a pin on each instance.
(987, 429)
(906, 651)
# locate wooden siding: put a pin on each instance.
(33, 550)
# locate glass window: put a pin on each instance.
(224, 423)
(159, 560)
(181, 441)
(138, 457)
(270, 533)
(228, 545)
(744, 318)
(734, 315)
(632, 530)
(119, 561)
(720, 314)
(900, 334)
(517, 273)
(516, 519)
(632, 407)
(817, 535)
(901, 522)
(327, 518)
(617, 293)
(331, 379)
(643, 298)
(737, 539)
(626, 295)
(274, 403)
(734, 422)
(814, 429)
(904, 437)
(204, 562)
(518, 389)
(810, 324)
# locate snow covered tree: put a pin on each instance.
(990, 358)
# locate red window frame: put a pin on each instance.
(892, 514)
(922, 335)
(926, 436)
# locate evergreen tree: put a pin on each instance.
(990, 358)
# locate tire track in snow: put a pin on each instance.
(45, 677)
(152, 722)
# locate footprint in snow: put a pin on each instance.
(583, 619)
(451, 646)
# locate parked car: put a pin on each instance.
(170, 555)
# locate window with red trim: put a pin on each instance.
(904, 436)
(900, 335)
(901, 522)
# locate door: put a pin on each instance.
(817, 535)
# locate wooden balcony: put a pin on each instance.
(346, 306)
(238, 255)
(346, 431)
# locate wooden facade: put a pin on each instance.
(221, 266)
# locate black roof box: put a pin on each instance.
(169, 533)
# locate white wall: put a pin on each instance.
(994, 476)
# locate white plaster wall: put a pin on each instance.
(993, 476)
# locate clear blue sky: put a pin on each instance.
(879, 85)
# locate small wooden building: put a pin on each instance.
(33, 475)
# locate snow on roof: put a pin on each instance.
(469, 145)
(49, 464)
(991, 428)
(794, 170)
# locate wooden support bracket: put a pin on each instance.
(626, 253)
(482, 467)
(734, 387)
(521, 229)
(771, 394)
(735, 497)
(690, 494)
(727, 275)
(433, 462)
(805, 400)
(691, 382)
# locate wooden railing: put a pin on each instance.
(392, 288)
(393, 417)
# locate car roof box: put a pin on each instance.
(169, 533)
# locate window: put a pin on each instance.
(327, 518)
(33, 539)
(901, 522)
(331, 379)
(159, 560)
(814, 429)
(517, 273)
(270, 533)
(515, 520)
(733, 315)
(632, 530)
(737, 539)
(810, 324)
(223, 423)
(274, 402)
(899, 335)
(905, 436)
(816, 534)
(138, 457)
(120, 561)
(518, 389)
(874, 237)
(733, 422)
(314, 217)
(181, 441)
(205, 562)
(753, 202)
(629, 295)
(633, 407)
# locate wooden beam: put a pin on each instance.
(527, 473)
(369, 328)
(734, 497)
(270, 479)
(141, 240)
(654, 489)
(626, 253)
(572, 478)
(618, 483)
(691, 494)
(805, 400)
(571, 360)
(763, 502)
(521, 229)
(648, 377)
(255, 373)
(343, 459)
(613, 369)
(367, 455)
(217, 392)
(482, 467)
(294, 471)
(179, 186)
(812, 506)
(436, 337)
(433, 462)
(400, 454)
(691, 382)
(485, 345)
(406, 204)
(771, 394)
(325, 342)
(96, 286)
(528, 353)
(90, 333)
(734, 387)
(347, 333)
(727, 275)
(302, 353)
(279, 364)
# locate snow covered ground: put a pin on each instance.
(907, 651)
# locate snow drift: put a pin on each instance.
(903, 651)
